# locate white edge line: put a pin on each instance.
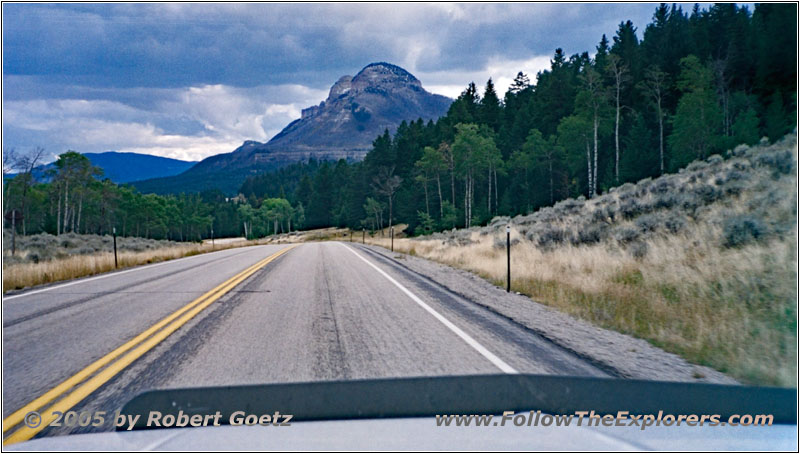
(110, 274)
(502, 365)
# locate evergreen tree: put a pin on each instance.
(641, 158)
(697, 122)
(520, 83)
(490, 110)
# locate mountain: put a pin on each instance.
(357, 110)
(126, 167)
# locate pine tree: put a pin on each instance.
(490, 110)
(640, 159)
(520, 83)
(698, 120)
(745, 128)
(601, 57)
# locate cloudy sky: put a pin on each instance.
(191, 80)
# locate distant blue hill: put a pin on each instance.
(126, 167)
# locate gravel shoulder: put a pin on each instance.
(627, 356)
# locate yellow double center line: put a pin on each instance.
(142, 343)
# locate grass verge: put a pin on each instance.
(22, 275)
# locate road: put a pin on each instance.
(317, 311)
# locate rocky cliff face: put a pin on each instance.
(357, 110)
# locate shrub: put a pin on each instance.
(662, 186)
(133, 246)
(630, 208)
(35, 243)
(666, 201)
(696, 165)
(599, 215)
(781, 161)
(742, 229)
(648, 222)
(688, 202)
(706, 194)
(643, 189)
(675, 222)
(715, 159)
(552, 237)
(735, 175)
(590, 234)
(740, 150)
(626, 234)
(34, 257)
(627, 195)
(569, 206)
(626, 191)
(734, 188)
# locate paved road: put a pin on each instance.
(321, 311)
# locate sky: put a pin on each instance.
(188, 81)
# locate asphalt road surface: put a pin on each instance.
(319, 311)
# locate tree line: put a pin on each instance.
(697, 83)
(76, 198)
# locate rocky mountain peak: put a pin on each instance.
(358, 109)
(376, 74)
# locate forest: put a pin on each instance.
(697, 83)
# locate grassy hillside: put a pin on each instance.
(702, 263)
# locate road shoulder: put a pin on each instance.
(627, 356)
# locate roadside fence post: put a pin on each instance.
(508, 256)
(116, 262)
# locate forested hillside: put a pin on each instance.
(698, 83)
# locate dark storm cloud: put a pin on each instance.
(162, 45)
(190, 80)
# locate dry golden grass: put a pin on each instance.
(22, 275)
